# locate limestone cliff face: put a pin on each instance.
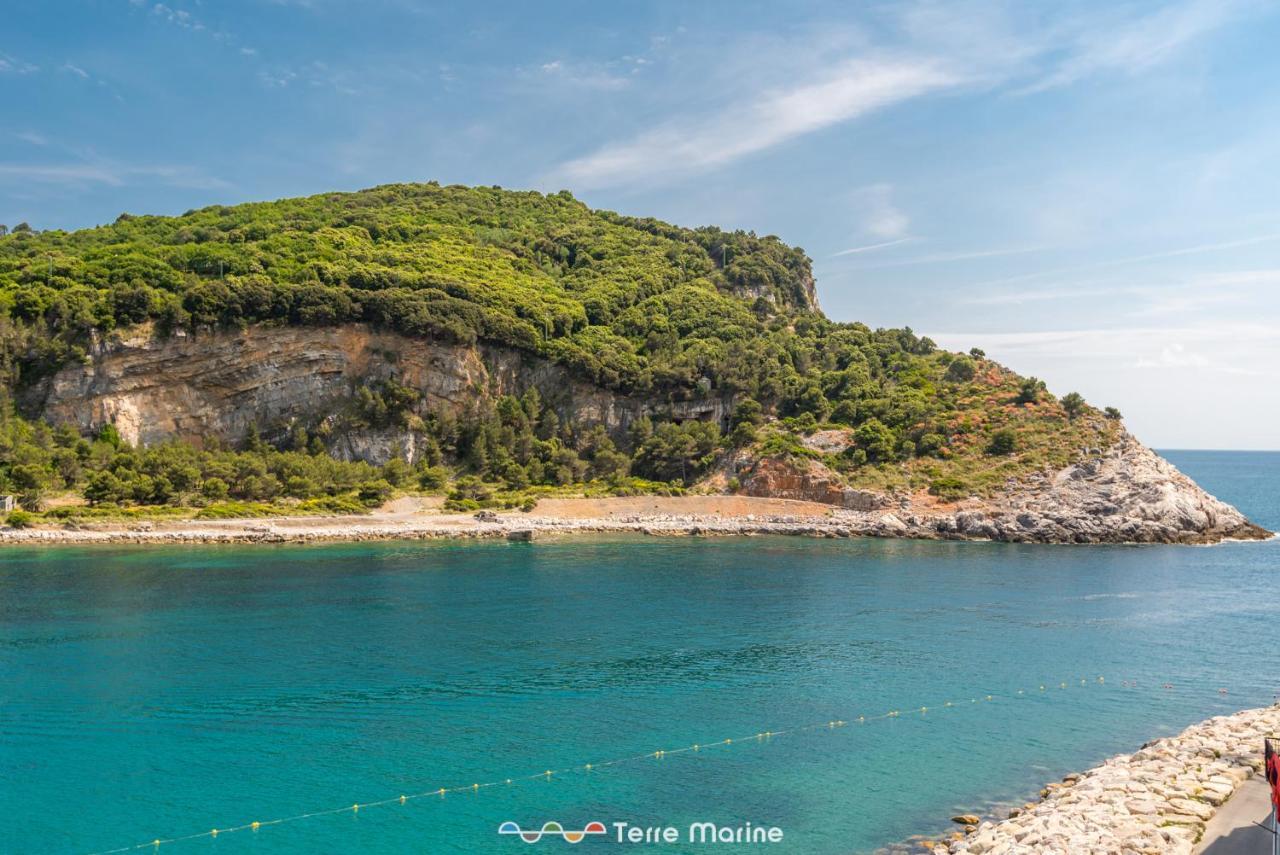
(217, 384)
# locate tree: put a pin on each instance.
(1113, 414)
(876, 439)
(977, 353)
(104, 487)
(747, 411)
(214, 489)
(677, 451)
(1073, 403)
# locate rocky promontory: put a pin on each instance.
(1123, 494)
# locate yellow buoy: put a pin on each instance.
(254, 825)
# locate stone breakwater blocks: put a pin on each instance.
(1156, 800)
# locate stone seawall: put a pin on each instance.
(1154, 801)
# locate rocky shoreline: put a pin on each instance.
(1156, 800)
(516, 526)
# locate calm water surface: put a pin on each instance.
(157, 692)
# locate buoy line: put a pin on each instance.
(548, 774)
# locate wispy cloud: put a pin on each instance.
(1135, 45)
(583, 76)
(948, 257)
(177, 17)
(1196, 249)
(13, 65)
(1191, 294)
(112, 175)
(76, 70)
(870, 247)
(925, 50)
(685, 146)
(1237, 347)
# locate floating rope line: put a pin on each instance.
(549, 774)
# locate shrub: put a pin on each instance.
(949, 488)
(961, 370)
(1003, 441)
(1029, 391)
(19, 519)
(373, 493)
(1073, 403)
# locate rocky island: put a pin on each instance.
(476, 349)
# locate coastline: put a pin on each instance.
(1159, 799)
(670, 516)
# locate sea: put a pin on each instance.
(812, 696)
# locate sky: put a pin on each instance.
(1089, 192)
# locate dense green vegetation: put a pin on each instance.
(633, 305)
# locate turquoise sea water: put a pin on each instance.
(158, 692)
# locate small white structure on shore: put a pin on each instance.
(8, 503)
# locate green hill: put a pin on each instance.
(634, 306)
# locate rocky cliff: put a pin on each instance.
(219, 384)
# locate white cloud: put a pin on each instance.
(881, 217)
(690, 145)
(76, 70)
(1174, 356)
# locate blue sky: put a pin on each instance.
(1089, 191)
